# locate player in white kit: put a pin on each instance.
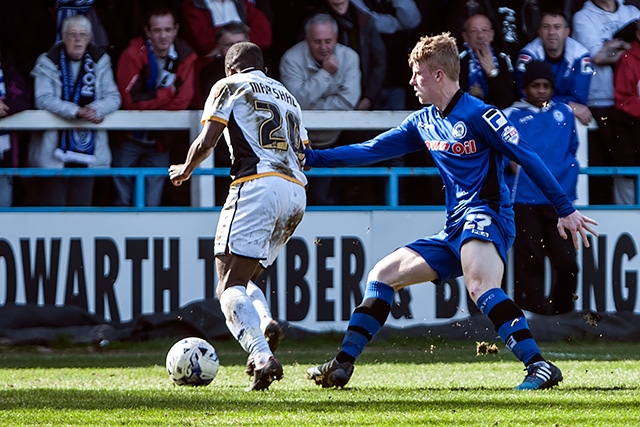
(266, 198)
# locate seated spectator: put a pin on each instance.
(73, 80)
(484, 72)
(357, 30)
(393, 21)
(15, 96)
(549, 128)
(569, 60)
(203, 18)
(323, 75)
(154, 73)
(227, 35)
(595, 27)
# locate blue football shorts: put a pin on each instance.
(442, 251)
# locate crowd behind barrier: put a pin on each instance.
(203, 192)
(381, 33)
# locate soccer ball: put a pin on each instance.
(192, 361)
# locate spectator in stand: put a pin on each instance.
(357, 30)
(227, 35)
(323, 75)
(394, 20)
(627, 97)
(515, 21)
(595, 27)
(73, 80)
(569, 60)
(484, 72)
(550, 129)
(154, 73)
(15, 96)
(203, 18)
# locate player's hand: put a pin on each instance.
(178, 174)
(577, 223)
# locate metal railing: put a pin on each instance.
(203, 188)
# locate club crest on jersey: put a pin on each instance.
(558, 116)
(510, 135)
(495, 118)
(459, 130)
(585, 66)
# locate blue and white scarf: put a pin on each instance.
(477, 83)
(158, 78)
(77, 145)
(5, 138)
(165, 77)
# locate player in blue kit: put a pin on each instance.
(467, 140)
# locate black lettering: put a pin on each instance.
(206, 253)
(324, 275)
(75, 268)
(594, 273)
(166, 279)
(255, 87)
(447, 299)
(297, 262)
(11, 278)
(49, 279)
(352, 249)
(401, 304)
(136, 250)
(106, 253)
(268, 283)
(624, 247)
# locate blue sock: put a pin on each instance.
(367, 319)
(510, 324)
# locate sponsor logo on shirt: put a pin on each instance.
(510, 135)
(466, 147)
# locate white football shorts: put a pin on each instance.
(259, 217)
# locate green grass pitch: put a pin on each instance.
(398, 382)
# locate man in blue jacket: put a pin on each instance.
(569, 60)
(468, 140)
(550, 128)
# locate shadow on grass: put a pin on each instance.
(303, 400)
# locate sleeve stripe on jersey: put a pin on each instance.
(215, 119)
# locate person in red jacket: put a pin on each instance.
(203, 18)
(626, 87)
(156, 73)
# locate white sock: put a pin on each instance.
(259, 301)
(244, 323)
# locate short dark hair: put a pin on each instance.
(160, 10)
(243, 56)
(554, 12)
(232, 28)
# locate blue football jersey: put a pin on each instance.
(468, 142)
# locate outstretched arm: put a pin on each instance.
(200, 149)
(576, 223)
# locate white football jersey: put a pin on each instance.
(266, 134)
